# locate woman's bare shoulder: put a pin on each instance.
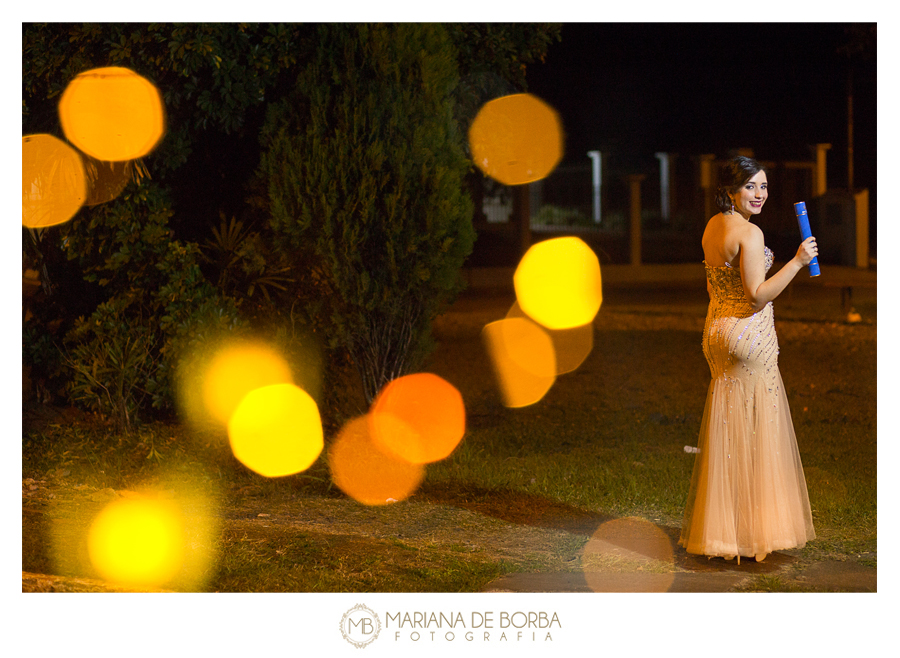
(751, 234)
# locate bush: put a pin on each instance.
(365, 167)
(122, 356)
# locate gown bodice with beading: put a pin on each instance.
(735, 334)
(728, 289)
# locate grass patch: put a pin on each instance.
(526, 488)
(263, 559)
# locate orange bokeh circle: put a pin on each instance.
(365, 472)
(54, 185)
(112, 113)
(420, 418)
(516, 139)
(523, 359)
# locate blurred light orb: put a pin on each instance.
(137, 541)
(54, 185)
(558, 283)
(236, 370)
(112, 113)
(276, 430)
(523, 359)
(367, 473)
(622, 547)
(516, 139)
(420, 418)
(571, 346)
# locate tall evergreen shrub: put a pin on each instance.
(364, 164)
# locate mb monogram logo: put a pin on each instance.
(360, 626)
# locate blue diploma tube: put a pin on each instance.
(803, 220)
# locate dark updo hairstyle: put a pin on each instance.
(732, 176)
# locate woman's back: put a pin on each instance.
(722, 239)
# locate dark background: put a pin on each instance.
(635, 89)
(632, 89)
(776, 89)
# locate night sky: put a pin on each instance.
(634, 89)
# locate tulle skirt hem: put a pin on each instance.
(748, 493)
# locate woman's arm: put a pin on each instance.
(759, 290)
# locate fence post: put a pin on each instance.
(821, 185)
(862, 228)
(634, 186)
(706, 183)
(522, 213)
(666, 184)
(596, 181)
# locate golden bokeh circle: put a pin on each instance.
(276, 430)
(558, 283)
(523, 359)
(137, 542)
(516, 139)
(236, 369)
(54, 185)
(112, 113)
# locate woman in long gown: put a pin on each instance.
(748, 494)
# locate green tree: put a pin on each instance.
(364, 164)
(149, 298)
(120, 266)
(209, 74)
(493, 59)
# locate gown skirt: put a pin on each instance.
(748, 493)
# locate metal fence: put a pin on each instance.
(676, 197)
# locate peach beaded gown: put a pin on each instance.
(748, 493)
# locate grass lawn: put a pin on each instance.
(523, 492)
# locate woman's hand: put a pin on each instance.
(807, 251)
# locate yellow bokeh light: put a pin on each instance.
(54, 185)
(276, 430)
(237, 369)
(516, 139)
(420, 418)
(137, 542)
(162, 536)
(112, 113)
(523, 358)
(571, 346)
(558, 283)
(367, 473)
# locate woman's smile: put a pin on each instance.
(749, 199)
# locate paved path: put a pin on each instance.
(825, 576)
(635, 555)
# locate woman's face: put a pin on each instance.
(751, 196)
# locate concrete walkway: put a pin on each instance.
(722, 576)
(635, 555)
